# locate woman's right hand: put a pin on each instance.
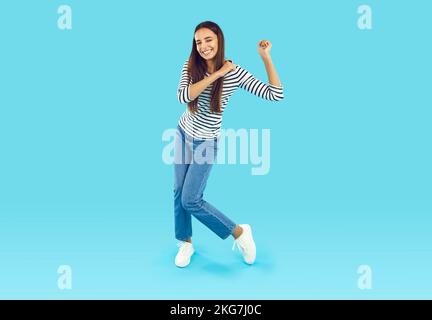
(227, 67)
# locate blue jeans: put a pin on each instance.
(193, 160)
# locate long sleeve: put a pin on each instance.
(255, 86)
(183, 87)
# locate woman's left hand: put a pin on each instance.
(264, 47)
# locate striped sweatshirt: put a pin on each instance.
(207, 125)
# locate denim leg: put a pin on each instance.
(192, 196)
(182, 158)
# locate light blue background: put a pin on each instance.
(82, 181)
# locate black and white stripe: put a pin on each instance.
(206, 125)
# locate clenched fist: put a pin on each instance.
(264, 47)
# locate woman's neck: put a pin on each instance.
(210, 66)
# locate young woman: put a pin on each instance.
(207, 82)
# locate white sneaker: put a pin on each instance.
(186, 250)
(246, 244)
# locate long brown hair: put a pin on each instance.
(197, 67)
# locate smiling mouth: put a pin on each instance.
(207, 52)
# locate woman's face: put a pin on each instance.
(206, 43)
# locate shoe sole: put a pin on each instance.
(253, 240)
